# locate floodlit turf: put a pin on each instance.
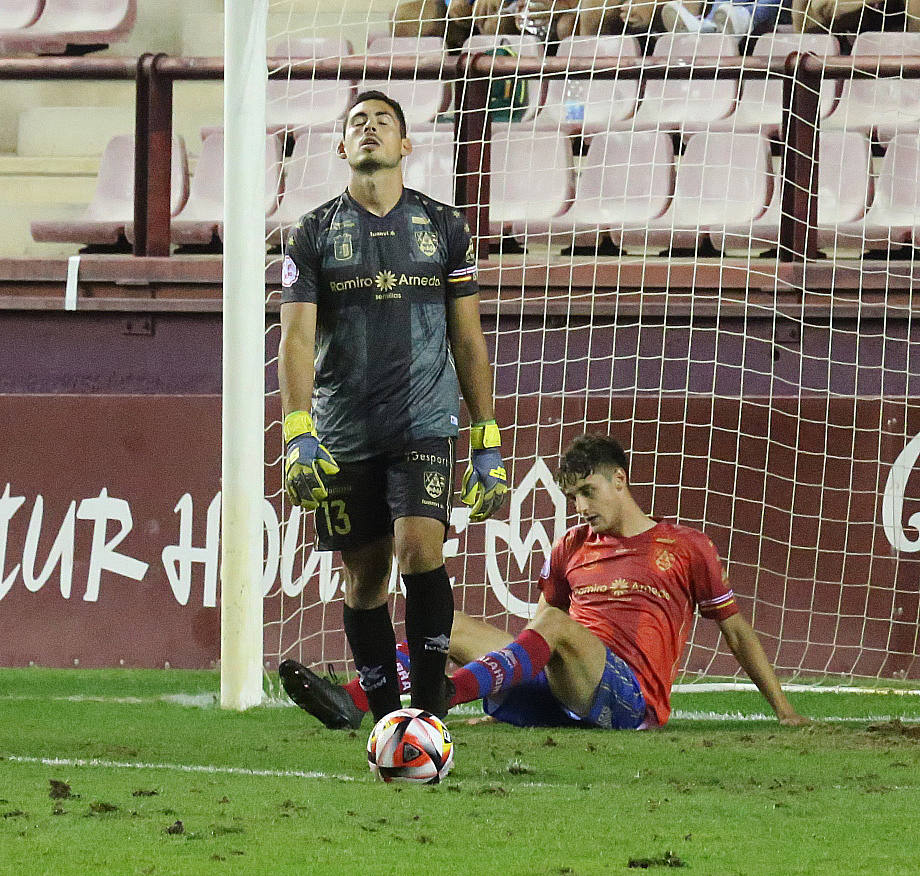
(717, 796)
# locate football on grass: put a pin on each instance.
(410, 745)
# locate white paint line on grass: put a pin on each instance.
(690, 715)
(173, 767)
(720, 686)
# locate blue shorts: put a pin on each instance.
(618, 702)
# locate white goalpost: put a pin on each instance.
(243, 481)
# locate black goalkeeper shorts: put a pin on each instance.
(365, 497)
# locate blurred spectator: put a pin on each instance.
(453, 20)
(852, 16)
(724, 16)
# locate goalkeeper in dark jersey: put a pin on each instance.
(379, 321)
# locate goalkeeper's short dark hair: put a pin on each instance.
(373, 94)
(588, 454)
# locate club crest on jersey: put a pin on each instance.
(342, 247)
(427, 242)
(434, 483)
(289, 272)
(664, 560)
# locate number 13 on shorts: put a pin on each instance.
(336, 517)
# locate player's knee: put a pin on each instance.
(551, 623)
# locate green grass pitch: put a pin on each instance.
(137, 772)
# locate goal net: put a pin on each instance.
(637, 284)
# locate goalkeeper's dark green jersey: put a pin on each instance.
(384, 372)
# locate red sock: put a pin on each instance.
(519, 661)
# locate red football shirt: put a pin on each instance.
(637, 595)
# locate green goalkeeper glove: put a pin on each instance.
(305, 461)
(484, 482)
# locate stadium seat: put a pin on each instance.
(687, 104)
(313, 175)
(887, 106)
(112, 208)
(626, 178)
(524, 45)
(722, 179)
(894, 217)
(588, 106)
(429, 167)
(421, 99)
(15, 14)
(78, 23)
(203, 214)
(844, 189)
(760, 105)
(300, 103)
(532, 178)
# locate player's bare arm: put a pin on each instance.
(485, 481)
(295, 355)
(745, 645)
(471, 356)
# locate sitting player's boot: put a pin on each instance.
(449, 691)
(328, 702)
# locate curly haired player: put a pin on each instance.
(619, 592)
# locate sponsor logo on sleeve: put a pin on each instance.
(289, 272)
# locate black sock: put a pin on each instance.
(373, 646)
(429, 618)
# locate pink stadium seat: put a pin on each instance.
(588, 106)
(304, 102)
(203, 214)
(760, 106)
(532, 176)
(64, 23)
(421, 99)
(687, 104)
(526, 46)
(312, 175)
(894, 217)
(429, 168)
(887, 106)
(722, 179)
(844, 189)
(626, 178)
(112, 208)
(15, 14)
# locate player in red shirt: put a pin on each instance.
(619, 592)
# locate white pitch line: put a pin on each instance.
(173, 767)
(688, 715)
(721, 686)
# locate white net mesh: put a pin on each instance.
(635, 287)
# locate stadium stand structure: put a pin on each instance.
(590, 106)
(687, 104)
(886, 105)
(626, 179)
(112, 208)
(202, 217)
(722, 179)
(17, 14)
(844, 190)
(71, 26)
(421, 99)
(294, 105)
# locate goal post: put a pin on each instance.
(647, 277)
(243, 481)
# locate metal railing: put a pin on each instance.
(473, 73)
